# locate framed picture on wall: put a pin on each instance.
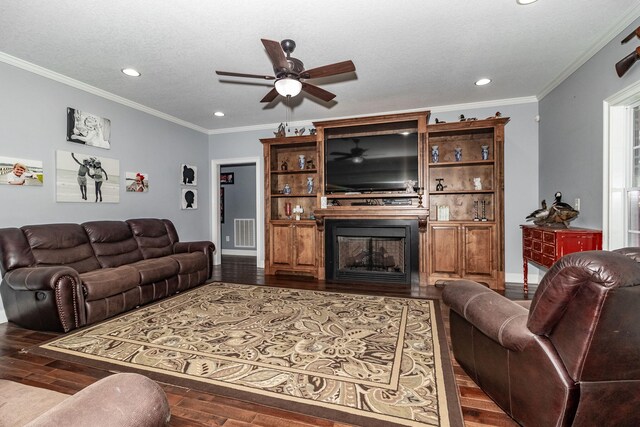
(86, 178)
(189, 174)
(221, 205)
(189, 199)
(226, 178)
(136, 182)
(16, 171)
(88, 128)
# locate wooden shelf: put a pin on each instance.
(435, 193)
(293, 195)
(461, 221)
(306, 221)
(294, 171)
(373, 196)
(463, 163)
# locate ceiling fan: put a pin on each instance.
(290, 74)
(356, 154)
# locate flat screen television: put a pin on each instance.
(371, 163)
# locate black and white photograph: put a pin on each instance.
(88, 128)
(17, 171)
(136, 182)
(189, 198)
(86, 178)
(189, 174)
(226, 178)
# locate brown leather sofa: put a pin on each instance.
(573, 358)
(58, 277)
(125, 400)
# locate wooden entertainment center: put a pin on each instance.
(468, 244)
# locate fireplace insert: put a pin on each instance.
(381, 251)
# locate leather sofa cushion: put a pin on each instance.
(105, 282)
(155, 269)
(112, 242)
(61, 244)
(191, 262)
(152, 237)
(14, 250)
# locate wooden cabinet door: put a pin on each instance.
(443, 253)
(305, 244)
(478, 244)
(281, 250)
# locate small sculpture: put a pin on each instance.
(462, 118)
(439, 121)
(312, 131)
(284, 166)
(475, 211)
(297, 210)
(560, 212)
(484, 210)
(286, 189)
(477, 183)
(439, 186)
(539, 215)
(409, 185)
(301, 161)
(310, 185)
(281, 131)
(484, 151)
(310, 164)
(300, 131)
(458, 154)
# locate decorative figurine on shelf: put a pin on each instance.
(539, 215)
(310, 185)
(435, 154)
(312, 131)
(484, 211)
(409, 185)
(484, 150)
(477, 183)
(310, 164)
(439, 121)
(287, 210)
(475, 211)
(281, 131)
(462, 118)
(297, 210)
(286, 189)
(301, 161)
(558, 214)
(300, 132)
(458, 154)
(284, 165)
(439, 185)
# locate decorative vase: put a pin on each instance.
(301, 161)
(485, 152)
(287, 210)
(310, 185)
(435, 154)
(458, 154)
(286, 189)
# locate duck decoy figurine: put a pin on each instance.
(561, 212)
(539, 215)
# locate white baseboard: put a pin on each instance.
(3, 316)
(240, 252)
(533, 279)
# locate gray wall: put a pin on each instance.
(239, 200)
(571, 130)
(521, 167)
(33, 126)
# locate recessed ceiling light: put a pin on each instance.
(218, 114)
(483, 82)
(524, 2)
(131, 72)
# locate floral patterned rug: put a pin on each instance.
(360, 359)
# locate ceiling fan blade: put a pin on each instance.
(273, 93)
(253, 76)
(276, 54)
(623, 65)
(339, 153)
(329, 70)
(636, 33)
(317, 92)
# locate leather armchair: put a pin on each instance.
(572, 358)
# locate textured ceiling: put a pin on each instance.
(408, 54)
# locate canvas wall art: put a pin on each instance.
(189, 174)
(137, 182)
(89, 129)
(189, 199)
(17, 171)
(227, 178)
(86, 178)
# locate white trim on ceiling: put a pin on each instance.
(436, 109)
(629, 17)
(44, 72)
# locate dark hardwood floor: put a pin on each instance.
(193, 408)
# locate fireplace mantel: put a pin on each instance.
(372, 212)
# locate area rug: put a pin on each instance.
(359, 359)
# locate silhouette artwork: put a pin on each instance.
(189, 175)
(189, 199)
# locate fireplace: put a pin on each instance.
(383, 251)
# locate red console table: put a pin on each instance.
(545, 245)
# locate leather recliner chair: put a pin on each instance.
(572, 358)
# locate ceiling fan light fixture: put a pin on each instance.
(288, 86)
(358, 159)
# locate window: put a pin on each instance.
(632, 231)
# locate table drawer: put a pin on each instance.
(536, 234)
(548, 237)
(537, 246)
(547, 261)
(549, 250)
(527, 243)
(537, 257)
(527, 254)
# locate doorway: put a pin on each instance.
(217, 236)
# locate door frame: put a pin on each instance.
(216, 237)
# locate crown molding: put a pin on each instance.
(41, 71)
(435, 109)
(631, 15)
